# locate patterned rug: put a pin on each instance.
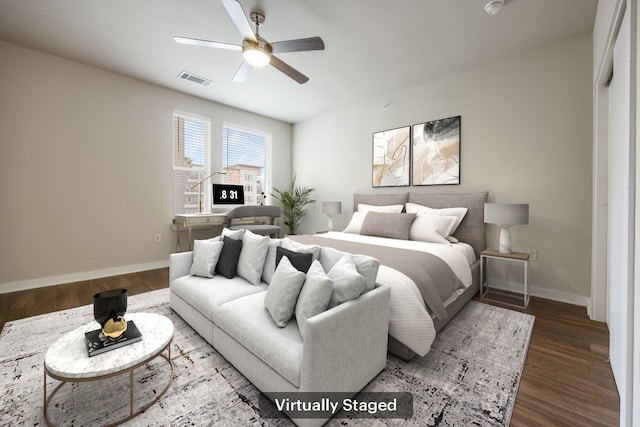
(470, 377)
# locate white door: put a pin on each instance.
(621, 222)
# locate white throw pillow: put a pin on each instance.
(367, 266)
(301, 248)
(315, 295)
(355, 225)
(205, 257)
(282, 294)
(232, 234)
(384, 209)
(270, 260)
(252, 257)
(459, 213)
(432, 228)
(348, 284)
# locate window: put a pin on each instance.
(245, 155)
(190, 163)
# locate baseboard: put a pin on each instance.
(546, 293)
(41, 282)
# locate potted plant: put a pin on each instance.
(293, 199)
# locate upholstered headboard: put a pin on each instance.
(472, 229)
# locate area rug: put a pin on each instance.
(470, 377)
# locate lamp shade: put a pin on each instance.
(506, 213)
(331, 208)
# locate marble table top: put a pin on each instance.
(68, 357)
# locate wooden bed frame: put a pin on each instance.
(472, 230)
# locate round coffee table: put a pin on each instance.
(67, 359)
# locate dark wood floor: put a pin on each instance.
(567, 379)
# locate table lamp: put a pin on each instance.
(506, 215)
(331, 209)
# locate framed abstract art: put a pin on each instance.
(436, 152)
(391, 157)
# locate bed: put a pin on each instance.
(431, 278)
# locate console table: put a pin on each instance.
(203, 220)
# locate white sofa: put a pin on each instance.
(341, 349)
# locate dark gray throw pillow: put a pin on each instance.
(228, 262)
(300, 261)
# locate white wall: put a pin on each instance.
(86, 168)
(526, 137)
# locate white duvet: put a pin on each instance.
(409, 321)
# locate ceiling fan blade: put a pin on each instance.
(299, 45)
(206, 43)
(289, 70)
(234, 9)
(243, 72)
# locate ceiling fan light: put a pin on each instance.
(256, 57)
(493, 6)
(256, 54)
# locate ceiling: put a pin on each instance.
(373, 47)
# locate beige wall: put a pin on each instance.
(526, 137)
(86, 168)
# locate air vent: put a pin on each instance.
(193, 78)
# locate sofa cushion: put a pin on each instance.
(348, 284)
(301, 261)
(315, 295)
(205, 257)
(205, 295)
(283, 292)
(252, 256)
(247, 320)
(228, 262)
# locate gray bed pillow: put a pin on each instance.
(392, 225)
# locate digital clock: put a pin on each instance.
(227, 194)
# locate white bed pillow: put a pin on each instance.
(355, 225)
(252, 256)
(205, 257)
(432, 228)
(362, 207)
(458, 212)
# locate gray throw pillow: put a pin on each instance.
(251, 260)
(234, 234)
(282, 294)
(392, 225)
(315, 295)
(300, 261)
(348, 284)
(228, 262)
(205, 257)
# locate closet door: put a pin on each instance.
(621, 221)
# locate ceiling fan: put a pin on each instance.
(256, 51)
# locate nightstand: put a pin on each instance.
(517, 257)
